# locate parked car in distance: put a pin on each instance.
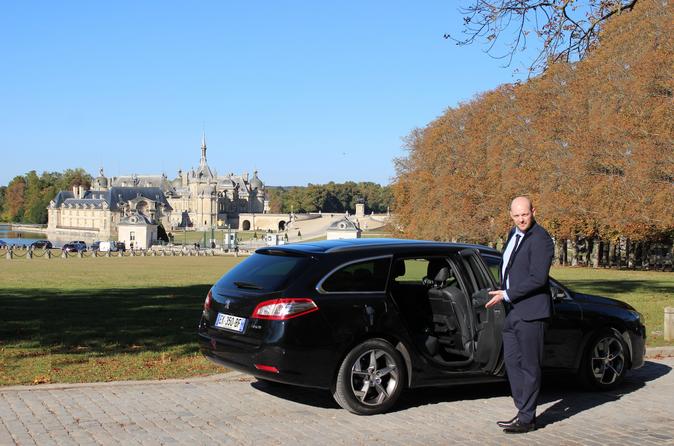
(3, 244)
(77, 246)
(41, 244)
(368, 318)
(121, 246)
(95, 246)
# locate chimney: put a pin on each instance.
(80, 191)
(75, 192)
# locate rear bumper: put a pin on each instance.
(299, 365)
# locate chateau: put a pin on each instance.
(198, 199)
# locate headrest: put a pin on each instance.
(442, 275)
(434, 266)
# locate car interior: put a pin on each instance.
(444, 321)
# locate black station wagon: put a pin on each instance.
(367, 318)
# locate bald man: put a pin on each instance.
(525, 269)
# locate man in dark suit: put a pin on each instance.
(525, 287)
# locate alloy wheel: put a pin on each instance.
(608, 360)
(374, 377)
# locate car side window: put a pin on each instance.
(414, 271)
(493, 263)
(369, 275)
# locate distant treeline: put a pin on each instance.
(590, 142)
(331, 197)
(26, 197)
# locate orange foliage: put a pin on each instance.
(589, 142)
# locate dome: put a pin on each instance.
(256, 183)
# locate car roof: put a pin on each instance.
(370, 244)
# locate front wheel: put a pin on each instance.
(370, 379)
(605, 362)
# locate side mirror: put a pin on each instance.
(558, 294)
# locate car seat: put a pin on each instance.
(451, 318)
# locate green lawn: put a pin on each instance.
(105, 319)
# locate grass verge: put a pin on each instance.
(110, 319)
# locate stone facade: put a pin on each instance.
(137, 231)
(96, 214)
(343, 229)
(264, 222)
(199, 199)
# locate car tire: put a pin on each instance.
(370, 378)
(604, 362)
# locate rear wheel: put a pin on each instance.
(370, 379)
(605, 361)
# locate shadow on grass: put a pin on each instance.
(102, 321)
(613, 288)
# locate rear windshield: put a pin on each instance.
(265, 272)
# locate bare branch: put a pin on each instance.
(565, 29)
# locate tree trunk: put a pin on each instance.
(646, 255)
(574, 252)
(560, 246)
(630, 252)
(612, 253)
(596, 253)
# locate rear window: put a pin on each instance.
(264, 272)
(369, 275)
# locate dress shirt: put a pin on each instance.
(509, 251)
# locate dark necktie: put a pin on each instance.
(512, 255)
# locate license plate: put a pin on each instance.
(229, 322)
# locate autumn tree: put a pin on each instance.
(26, 197)
(14, 200)
(590, 142)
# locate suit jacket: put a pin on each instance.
(529, 288)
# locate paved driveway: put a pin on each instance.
(235, 409)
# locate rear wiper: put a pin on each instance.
(248, 285)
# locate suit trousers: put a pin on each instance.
(523, 355)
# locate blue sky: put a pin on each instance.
(302, 91)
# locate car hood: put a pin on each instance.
(601, 300)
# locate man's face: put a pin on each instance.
(522, 214)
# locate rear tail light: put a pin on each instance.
(282, 309)
(209, 301)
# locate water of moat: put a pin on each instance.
(13, 237)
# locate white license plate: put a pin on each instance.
(229, 322)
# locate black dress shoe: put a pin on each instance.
(519, 428)
(507, 423)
